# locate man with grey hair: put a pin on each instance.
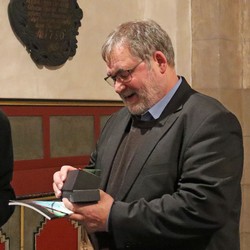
(171, 159)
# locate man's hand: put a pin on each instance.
(93, 216)
(59, 177)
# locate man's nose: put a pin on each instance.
(119, 86)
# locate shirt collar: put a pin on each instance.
(158, 108)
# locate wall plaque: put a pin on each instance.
(47, 28)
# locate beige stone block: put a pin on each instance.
(205, 18)
(205, 64)
(184, 42)
(246, 170)
(245, 211)
(230, 20)
(245, 10)
(246, 64)
(215, 19)
(230, 64)
(216, 64)
(246, 111)
(232, 99)
(246, 42)
(217, 49)
(245, 241)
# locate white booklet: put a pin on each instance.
(49, 209)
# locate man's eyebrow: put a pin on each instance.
(117, 72)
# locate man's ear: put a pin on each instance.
(161, 60)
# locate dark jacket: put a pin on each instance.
(6, 169)
(182, 190)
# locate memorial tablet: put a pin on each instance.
(47, 28)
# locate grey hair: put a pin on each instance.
(142, 38)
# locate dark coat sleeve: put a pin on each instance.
(6, 169)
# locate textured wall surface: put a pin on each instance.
(221, 68)
(82, 76)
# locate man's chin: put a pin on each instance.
(136, 110)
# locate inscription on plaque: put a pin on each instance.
(48, 28)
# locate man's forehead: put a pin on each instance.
(113, 66)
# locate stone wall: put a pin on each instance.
(221, 68)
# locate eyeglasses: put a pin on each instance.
(123, 76)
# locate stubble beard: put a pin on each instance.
(148, 96)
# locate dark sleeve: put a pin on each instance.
(6, 169)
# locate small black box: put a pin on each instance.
(81, 186)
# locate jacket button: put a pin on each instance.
(127, 246)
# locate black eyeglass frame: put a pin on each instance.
(111, 80)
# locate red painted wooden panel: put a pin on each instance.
(35, 176)
(57, 234)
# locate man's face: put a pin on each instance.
(143, 90)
